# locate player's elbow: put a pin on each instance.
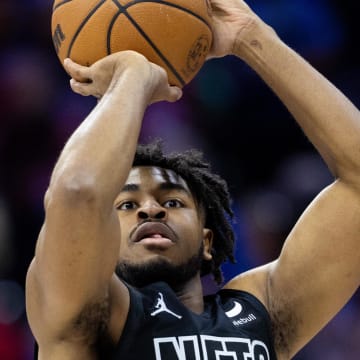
(71, 191)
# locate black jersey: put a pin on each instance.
(233, 326)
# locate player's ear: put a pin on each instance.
(207, 242)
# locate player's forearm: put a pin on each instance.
(99, 154)
(328, 118)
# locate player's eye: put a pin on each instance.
(173, 203)
(126, 205)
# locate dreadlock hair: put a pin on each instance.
(209, 190)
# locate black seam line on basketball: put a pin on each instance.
(59, 4)
(122, 10)
(89, 15)
(134, 2)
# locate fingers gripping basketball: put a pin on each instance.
(174, 34)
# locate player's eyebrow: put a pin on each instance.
(163, 186)
(130, 188)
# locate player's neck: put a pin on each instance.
(191, 295)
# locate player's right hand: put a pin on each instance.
(121, 69)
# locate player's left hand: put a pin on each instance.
(229, 19)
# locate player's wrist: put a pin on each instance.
(253, 38)
(130, 71)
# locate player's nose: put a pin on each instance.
(152, 210)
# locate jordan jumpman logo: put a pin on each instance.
(161, 307)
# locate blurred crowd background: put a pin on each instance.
(272, 170)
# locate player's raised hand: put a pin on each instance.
(230, 18)
(105, 75)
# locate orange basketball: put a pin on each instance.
(174, 34)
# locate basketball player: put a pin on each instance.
(116, 272)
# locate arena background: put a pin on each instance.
(272, 170)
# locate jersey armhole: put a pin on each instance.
(135, 307)
(242, 294)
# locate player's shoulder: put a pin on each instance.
(254, 281)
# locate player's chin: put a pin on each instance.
(154, 256)
(141, 255)
(156, 267)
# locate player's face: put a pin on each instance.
(160, 220)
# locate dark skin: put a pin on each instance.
(175, 207)
(161, 222)
(84, 235)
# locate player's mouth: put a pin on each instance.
(154, 235)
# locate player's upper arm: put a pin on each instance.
(75, 258)
(318, 269)
(316, 273)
